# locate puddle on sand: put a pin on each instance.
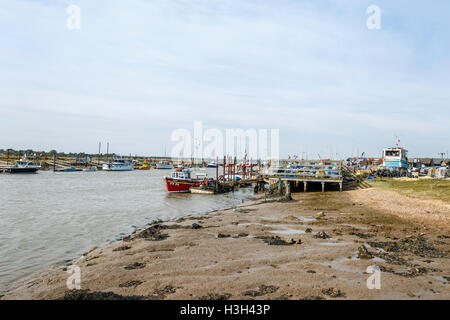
(209, 266)
(440, 278)
(337, 264)
(252, 223)
(335, 244)
(287, 231)
(284, 230)
(306, 219)
(377, 259)
(269, 219)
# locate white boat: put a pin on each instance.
(164, 165)
(118, 165)
(90, 169)
(24, 166)
(212, 164)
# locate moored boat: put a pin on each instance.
(68, 169)
(144, 166)
(24, 166)
(118, 165)
(181, 180)
(90, 169)
(164, 165)
(212, 164)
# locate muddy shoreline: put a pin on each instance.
(317, 246)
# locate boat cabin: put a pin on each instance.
(181, 174)
(395, 158)
(25, 164)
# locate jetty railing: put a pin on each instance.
(308, 169)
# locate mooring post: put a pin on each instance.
(224, 161)
(288, 190)
(234, 168)
(323, 186)
(217, 174)
(99, 151)
(340, 186)
(305, 186)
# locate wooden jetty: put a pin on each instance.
(283, 174)
(296, 172)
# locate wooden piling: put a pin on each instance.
(224, 163)
(217, 175)
(288, 190)
(99, 151)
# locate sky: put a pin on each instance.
(137, 70)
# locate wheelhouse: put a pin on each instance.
(395, 158)
(181, 174)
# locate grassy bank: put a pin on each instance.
(436, 189)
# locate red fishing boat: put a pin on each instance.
(180, 180)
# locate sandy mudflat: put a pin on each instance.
(248, 253)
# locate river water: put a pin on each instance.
(49, 218)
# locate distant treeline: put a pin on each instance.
(80, 155)
(29, 152)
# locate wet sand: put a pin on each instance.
(317, 246)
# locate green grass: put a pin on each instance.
(436, 189)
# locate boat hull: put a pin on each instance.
(202, 191)
(112, 167)
(164, 166)
(179, 185)
(23, 170)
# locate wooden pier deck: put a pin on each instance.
(308, 171)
